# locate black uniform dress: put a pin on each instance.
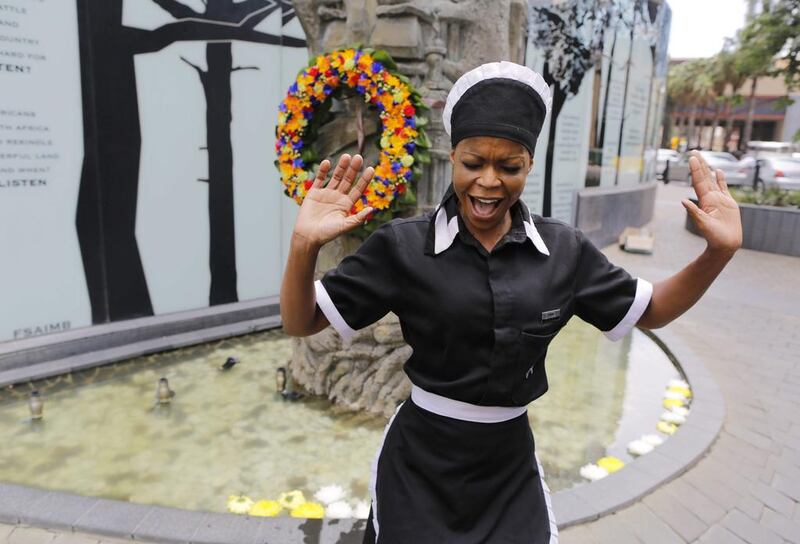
(479, 324)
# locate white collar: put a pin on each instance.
(445, 230)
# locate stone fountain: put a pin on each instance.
(433, 43)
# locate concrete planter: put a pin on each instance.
(775, 229)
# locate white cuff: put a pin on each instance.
(644, 291)
(332, 313)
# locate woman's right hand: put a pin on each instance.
(325, 211)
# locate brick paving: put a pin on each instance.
(745, 329)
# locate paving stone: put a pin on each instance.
(749, 530)
(231, 529)
(169, 525)
(56, 510)
(751, 506)
(708, 511)
(116, 519)
(14, 499)
(30, 535)
(720, 535)
(5, 530)
(781, 525)
(725, 497)
(676, 515)
(606, 529)
(73, 538)
(772, 498)
(647, 526)
(788, 486)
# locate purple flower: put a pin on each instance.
(282, 107)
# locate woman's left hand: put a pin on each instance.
(718, 217)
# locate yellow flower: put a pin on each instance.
(669, 403)
(407, 160)
(680, 390)
(266, 509)
(291, 499)
(308, 510)
(239, 504)
(666, 428)
(611, 464)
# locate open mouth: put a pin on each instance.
(484, 207)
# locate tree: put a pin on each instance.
(760, 41)
(106, 214)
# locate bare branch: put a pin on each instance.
(237, 68)
(176, 9)
(196, 30)
(252, 20)
(203, 180)
(200, 72)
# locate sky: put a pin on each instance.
(699, 26)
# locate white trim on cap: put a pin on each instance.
(491, 70)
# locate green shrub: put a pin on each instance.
(768, 197)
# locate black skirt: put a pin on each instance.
(442, 480)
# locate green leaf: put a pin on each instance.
(423, 157)
(384, 58)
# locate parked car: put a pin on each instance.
(780, 172)
(664, 158)
(736, 172)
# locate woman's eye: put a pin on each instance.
(511, 169)
(470, 165)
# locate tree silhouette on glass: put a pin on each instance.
(106, 214)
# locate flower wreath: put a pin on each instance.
(403, 143)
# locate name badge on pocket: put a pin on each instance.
(549, 315)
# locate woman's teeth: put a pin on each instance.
(485, 206)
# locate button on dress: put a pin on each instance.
(479, 324)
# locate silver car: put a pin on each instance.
(780, 172)
(736, 172)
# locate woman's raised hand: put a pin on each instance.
(325, 211)
(718, 218)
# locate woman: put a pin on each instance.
(481, 286)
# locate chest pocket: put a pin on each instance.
(530, 379)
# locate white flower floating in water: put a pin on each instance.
(678, 383)
(680, 410)
(668, 394)
(239, 504)
(361, 511)
(639, 447)
(339, 509)
(685, 391)
(652, 439)
(592, 472)
(329, 494)
(672, 417)
(666, 428)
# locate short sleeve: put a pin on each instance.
(606, 295)
(360, 290)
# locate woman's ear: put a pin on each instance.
(453, 155)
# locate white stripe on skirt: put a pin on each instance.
(373, 481)
(550, 516)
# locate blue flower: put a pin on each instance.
(412, 122)
(293, 87)
(410, 147)
(408, 174)
(282, 107)
(376, 66)
(327, 89)
(297, 145)
(307, 114)
(396, 166)
(298, 162)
